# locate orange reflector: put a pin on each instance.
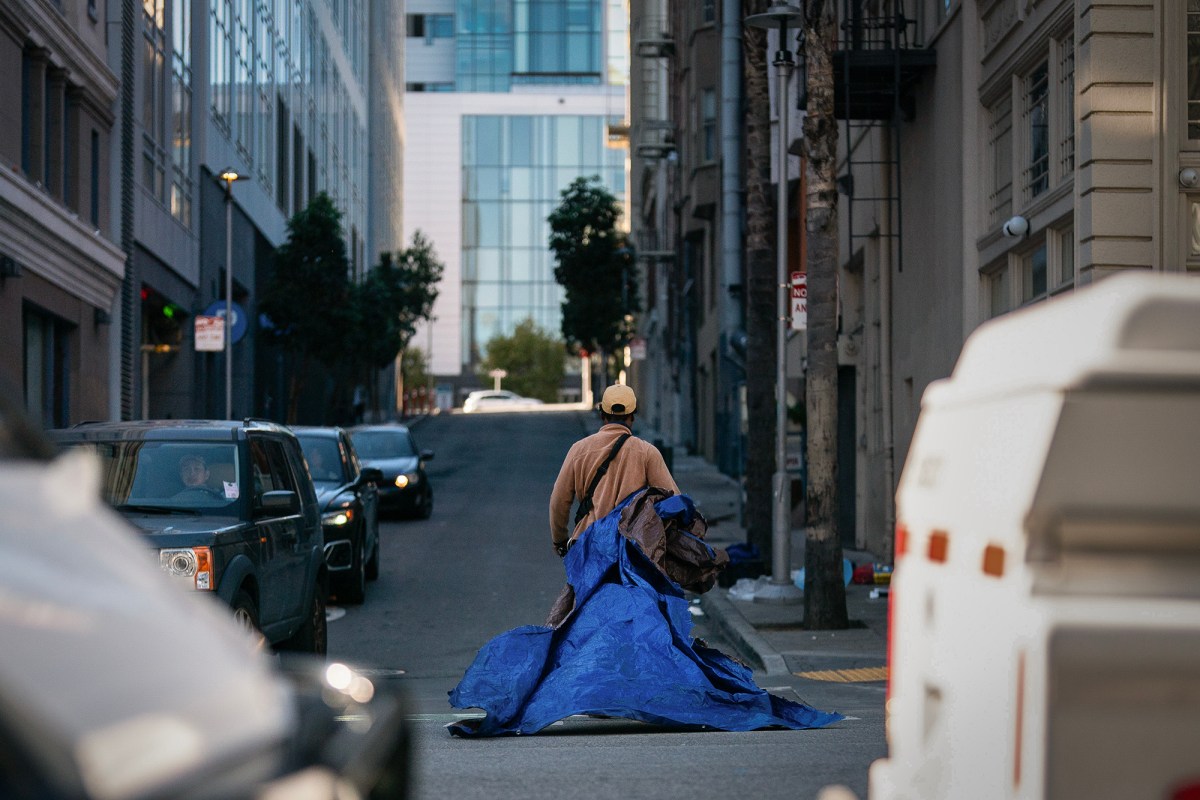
(939, 544)
(993, 560)
(204, 568)
(901, 544)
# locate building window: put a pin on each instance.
(1036, 123)
(708, 124)
(1000, 156)
(1193, 69)
(999, 292)
(1033, 275)
(154, 55)
(47, 368)
(94, 216)
(1066, 106)
(430, 26)
(708, 11)
(181, 112)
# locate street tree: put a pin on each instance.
(310, 264)
(595, 267)
(396, 295)
(824, 590)
(533, 358)
(761, 291)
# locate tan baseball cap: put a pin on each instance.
(618, 399)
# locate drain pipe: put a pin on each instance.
(885, 356)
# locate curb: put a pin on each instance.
(741, 634)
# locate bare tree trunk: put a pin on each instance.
(824, 590)
(761, 292)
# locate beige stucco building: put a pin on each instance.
(1076, 125)
(59, 271)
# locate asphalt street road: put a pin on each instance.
(483, 564)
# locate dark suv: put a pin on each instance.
(231, 509)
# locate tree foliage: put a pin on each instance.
(310, 264)
(595, 267)
(396, 294)
(533, 358)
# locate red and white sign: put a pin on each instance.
(637, 349)
(210, 334)
(799, 301)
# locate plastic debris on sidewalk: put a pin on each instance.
(847, 574)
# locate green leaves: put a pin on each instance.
(596, 266)
(532, 357)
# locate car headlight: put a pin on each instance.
(193, 564)
(342, 516)
(407, 479)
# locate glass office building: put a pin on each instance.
(523, 91)
(514, 169)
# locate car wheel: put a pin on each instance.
(373, 561)
(425, 509)
(351, 586)
(313, 636)
(245, 614)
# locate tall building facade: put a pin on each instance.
(60, 269)
(508, 103)
(276, 92)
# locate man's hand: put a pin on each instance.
(561, 548)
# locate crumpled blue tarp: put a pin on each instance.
(626, 651)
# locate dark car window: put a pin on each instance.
(271, 472)
(199, 476)
(326, 461)
(384, 444)
(351, 454)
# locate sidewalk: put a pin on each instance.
(770, 637)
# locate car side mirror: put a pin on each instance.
(279, 503)
(372, 475)
(427, 455)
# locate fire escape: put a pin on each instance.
(876, 68)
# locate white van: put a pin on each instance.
(1045, 618)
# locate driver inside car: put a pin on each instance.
(193, 471)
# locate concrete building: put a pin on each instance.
(59, 268)
(995, 153)
(278, 93)
(507, 104)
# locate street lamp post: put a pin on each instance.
(228, 176)
(780, 589)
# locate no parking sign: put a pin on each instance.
(799, 301)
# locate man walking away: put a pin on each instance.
(622, 468)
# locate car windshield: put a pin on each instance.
(324, 459)
(167, 477)
(383, 444)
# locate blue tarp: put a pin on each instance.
(626, 651)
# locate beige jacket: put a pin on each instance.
(637, 465)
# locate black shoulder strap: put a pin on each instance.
(585, 505)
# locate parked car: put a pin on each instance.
(392, 450)
(349, 499)
(497, 400)
(114, 685)
(231, 510)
